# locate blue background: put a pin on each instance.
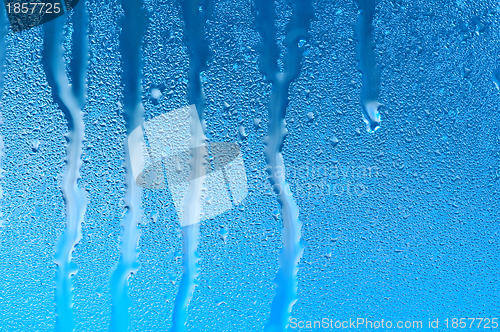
(402, 223)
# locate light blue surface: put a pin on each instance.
(398, 224)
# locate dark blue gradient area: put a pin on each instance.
(370, 136)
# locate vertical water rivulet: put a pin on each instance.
(134, 25)
(296, 34)
(3, 50)
(79, 62)
(71, 104)
(3, 44)
(198, 50)
(365, 52)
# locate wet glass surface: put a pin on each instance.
(367, 133)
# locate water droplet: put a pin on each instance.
(223, 233)
(242, 133)
(35, 144)
(334, 141)
(466, 72)
(256, 123)
(310, 116)
(155, 93)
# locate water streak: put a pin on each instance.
(134, 25)
(296, 34)
(365, 51)
(198, 50)
(190, 232)
(3, 50)
(74, 196)
(3, 44)
(79, 61)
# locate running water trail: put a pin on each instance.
(365, 51)
(296, 34)
(194, 34)
(134, 25)
(190, 232)
(3, 45)
(80, 56)
(71, 104)
(3, 50)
